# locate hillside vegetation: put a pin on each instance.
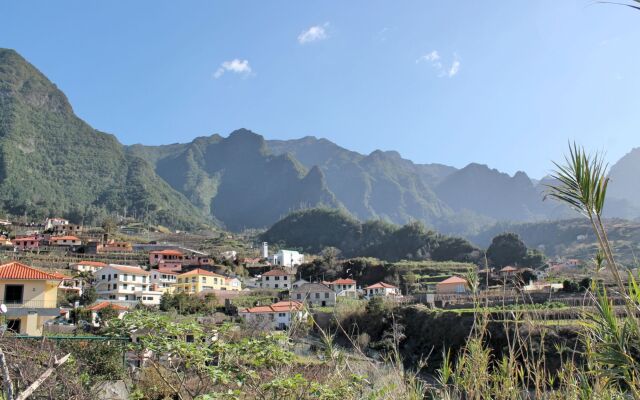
(313, 230)
(572, 238)
(53, 163)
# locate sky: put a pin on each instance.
(502, 83)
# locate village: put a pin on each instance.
(43, 296)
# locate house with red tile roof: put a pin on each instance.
(168, 258)
(277, 316)
(31, 296)
(87, 266)
(198, 280)
(67, 241)
(452, 285)
(381, 289)
(27, 243)
(344, 287)
(101, 305)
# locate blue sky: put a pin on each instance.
(504, 83)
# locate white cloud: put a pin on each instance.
(453, 70)
(433, 58)
(235, 66)
(313, 34)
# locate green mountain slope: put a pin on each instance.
(313, 230)
(379, 185)
(53, 163)
(236, 180)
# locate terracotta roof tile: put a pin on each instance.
(91, 263)
(343, 282)
(26, 239)
(281, 306)
(199, 271)
(381, 285)
(106, 304)
(167, 252)
(453, 279)
(16, 270)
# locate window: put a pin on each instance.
(285, 285)
(326, 295)
(124, 286)
(266, 278)
(276, 285)
(204, 280)
(103, 277)
(284, 277)
(281, 314)
(317, 295)
(13, 294)
(277, 278)
(115, 276)
(298, 296)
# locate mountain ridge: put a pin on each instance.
(52, 162)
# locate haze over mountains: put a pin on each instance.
(51, 162)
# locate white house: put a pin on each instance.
(51, 223)
(381, 289)
(287, 258)
(279, 315)
(233, 282)
(126, 283)
(315, 294)
(277, 279)
(344, 288)
(162, 279)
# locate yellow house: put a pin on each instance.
(198, 280)
(31, 297)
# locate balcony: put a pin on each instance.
(32, 304)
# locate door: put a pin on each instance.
(13, 325)
(324, 303)
(13, 294)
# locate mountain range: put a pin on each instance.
(53, 163)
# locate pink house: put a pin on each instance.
(27, 243)
(170, 259)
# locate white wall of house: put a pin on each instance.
(279, 282)
(381, 292)
(132, 285)
(287, 258)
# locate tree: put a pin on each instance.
(109, 225)
(330, 256)
(166, 302)
(89, 296)
(507, 249)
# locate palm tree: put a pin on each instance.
(582, 184)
